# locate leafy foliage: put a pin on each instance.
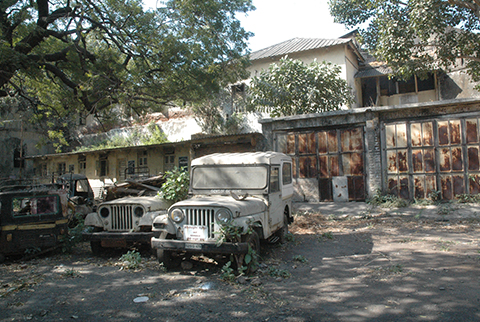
(292, 87)
(86, 57)
(416, 36)
(131, 259)
(176, 186)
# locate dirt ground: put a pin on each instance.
(344, 263)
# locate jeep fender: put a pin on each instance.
(149, 217)
(93, 219)
(162, 221)
(250, 221)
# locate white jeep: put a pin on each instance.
(252, 191)
(125, 221)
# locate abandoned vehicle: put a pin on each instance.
(125, 221)
(32, 221)
(236, 200)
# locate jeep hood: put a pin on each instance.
(150, 203)
(248, 206)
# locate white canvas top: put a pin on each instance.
(269, 157)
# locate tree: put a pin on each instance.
(416, 36)
(88, 56)
(292, 87)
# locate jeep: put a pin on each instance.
(124, 222)
(249, 192)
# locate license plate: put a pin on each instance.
(193, 246)
(195, 233)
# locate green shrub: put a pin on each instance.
(176, 186)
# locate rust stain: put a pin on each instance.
(457, 160)
(334, 168)
(404, 191)
(323, 168)
(332, 141)
(443, 133)
(392, 162)
(322, 142)
(419, 187)
(445, 160)
(402, 161)
(474, 182)
(446, 183)
(429, 156)
(291, 144)
(455, 132)
(472, 131)
(430, 184)
(473, 162)
(458, 185)
(393, 186)
(428, 134)
(416, 133)
(417, 160)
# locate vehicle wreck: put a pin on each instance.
(237, 199)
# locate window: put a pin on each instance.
(18, 161)
(29, 206)
(102, 166)
(131, 167)
(82, 164)
(142, 158)
(61, 168)
(274, 179)
(71, 168)
(287, 173)
(183, 163)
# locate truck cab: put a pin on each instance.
(249, 192)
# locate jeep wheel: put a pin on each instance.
(96, 247)
(253, 242)
(165, 257)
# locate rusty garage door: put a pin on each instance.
(439, 156)
(326, 155)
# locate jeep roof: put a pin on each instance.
(241, 158)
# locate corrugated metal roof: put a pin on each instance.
(296, 45)
(374, 72)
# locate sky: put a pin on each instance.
(275, 21)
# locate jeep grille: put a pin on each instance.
(202, 217)
(122, 217)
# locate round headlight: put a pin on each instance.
(104, 212)
(177, 215)
(138, 211)
(223, 216)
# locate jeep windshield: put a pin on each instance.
(230, 177)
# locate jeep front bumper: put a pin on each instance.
(142, 237)
(200, 247)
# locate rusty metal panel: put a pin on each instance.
(458, 185)
(474, 183)
(325, 189)
(356, 188)
(446, 185)
(473, 160)
(306, 143)
(416, 134)
(290, 143)
(401, 135)
(351, 140)
(322, 142)
(455, 132)
(445, 160)
(430, 184)
(417, 160)
(392, 185)
(352, 164)
(457, 159)
(332, 141)
(334, 166)
(403, 188)
(402, 161)
(307, 167)
(443, 133)
(428, 134)
(392, 161)
(323, 166)
(419, 187)
(429, 160)
(472, 130)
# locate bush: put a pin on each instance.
(176, 186)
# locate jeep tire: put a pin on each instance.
(165, 257)
(253, 242)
